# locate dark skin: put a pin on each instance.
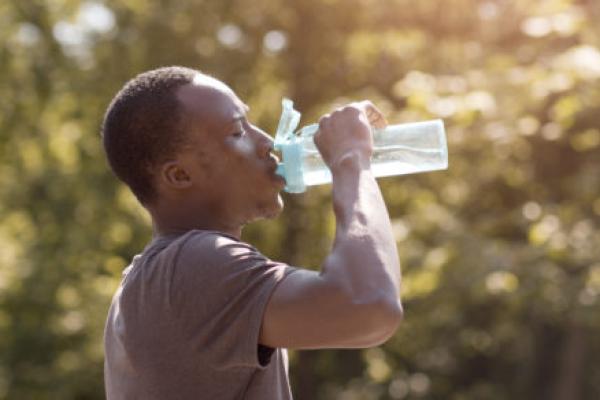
(224, 178)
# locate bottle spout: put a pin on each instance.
(290, 146)
(287, 123)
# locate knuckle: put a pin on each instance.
(324, 120)
(351, 110)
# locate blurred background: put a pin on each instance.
(500, 253)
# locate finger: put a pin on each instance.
(324, 123)
(377, 121)
(324, 120)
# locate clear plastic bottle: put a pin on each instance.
(397, 150)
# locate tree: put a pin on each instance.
(500, 253)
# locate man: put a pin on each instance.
(202, 315)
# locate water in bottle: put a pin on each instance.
(397, 149)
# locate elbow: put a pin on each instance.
(381, 322)
(390, 316)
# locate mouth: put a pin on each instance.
(278, 179)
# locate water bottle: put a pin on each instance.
(397, 150)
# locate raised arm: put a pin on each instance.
(354, 300)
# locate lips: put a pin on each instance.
(274, 158)
(276, 177)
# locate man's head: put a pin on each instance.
(143, 127)
(179, 138)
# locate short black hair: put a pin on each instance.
(144, 125)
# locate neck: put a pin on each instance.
(177, 220)
(161, 230)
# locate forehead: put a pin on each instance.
(210, 102)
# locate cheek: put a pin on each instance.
(244, 148)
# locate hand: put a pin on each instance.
(376, 118)
(347, 133)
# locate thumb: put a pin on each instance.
(374, 115)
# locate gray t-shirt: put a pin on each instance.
(185, 322)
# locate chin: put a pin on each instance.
(275, 209)
(270, 210)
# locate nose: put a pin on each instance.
(264, 142)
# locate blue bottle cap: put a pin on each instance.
(290, 146)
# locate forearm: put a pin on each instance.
(364, 257)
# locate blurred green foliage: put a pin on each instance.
(501, 253)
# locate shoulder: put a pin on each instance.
(214, 255)
(210, 245)
(218, 265)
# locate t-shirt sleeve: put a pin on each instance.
(220, 290)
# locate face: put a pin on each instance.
(228, 159)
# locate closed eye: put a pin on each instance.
(239, 129)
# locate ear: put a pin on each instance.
(175, 176)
